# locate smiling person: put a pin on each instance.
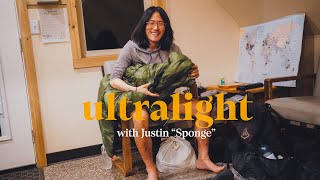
(152, 42)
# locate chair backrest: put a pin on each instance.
(107, 67)
(316, 91)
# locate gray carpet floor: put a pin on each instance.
(91, 168)
(29, 174)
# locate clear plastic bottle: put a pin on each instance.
(266, 152)
(106, 160)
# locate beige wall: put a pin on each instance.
(310, 54)
(208, 35)
(62, 91)
(249, 12)
(204, 31)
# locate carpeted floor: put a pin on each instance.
(91, 168)
(29, 174)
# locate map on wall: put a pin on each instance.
(271, 49)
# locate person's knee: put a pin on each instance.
(137, 117)
(196, 110)
(140, 123)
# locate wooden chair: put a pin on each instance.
(125, 164)
(300, 110)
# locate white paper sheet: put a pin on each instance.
(54, 25)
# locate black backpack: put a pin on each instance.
(246, 139)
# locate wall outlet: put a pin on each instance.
(34, 27)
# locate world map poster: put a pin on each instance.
(270, 49)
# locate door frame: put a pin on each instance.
(32, 84)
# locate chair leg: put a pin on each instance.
(125, 166)
(126, 150)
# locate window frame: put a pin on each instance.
(80, 57)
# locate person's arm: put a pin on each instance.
(195, 72)
(118, 70)
(122, 86)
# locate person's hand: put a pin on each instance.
(195, 72)
(144, 89)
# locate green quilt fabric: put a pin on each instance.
(164, 78)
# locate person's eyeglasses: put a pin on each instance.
(152, 24)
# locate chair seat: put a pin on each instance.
(305, 109)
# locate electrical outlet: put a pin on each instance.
(34, 27)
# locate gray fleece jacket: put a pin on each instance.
(132, 54)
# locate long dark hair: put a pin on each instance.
(139, 34)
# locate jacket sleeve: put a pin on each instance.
(123, 61)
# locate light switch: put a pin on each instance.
(34, 27)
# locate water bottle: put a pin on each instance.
(266, 152)
(106, 160)
(222, 81)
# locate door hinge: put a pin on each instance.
(32, 136)
(20, 44)
(1, 111)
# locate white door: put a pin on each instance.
(16, 145)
